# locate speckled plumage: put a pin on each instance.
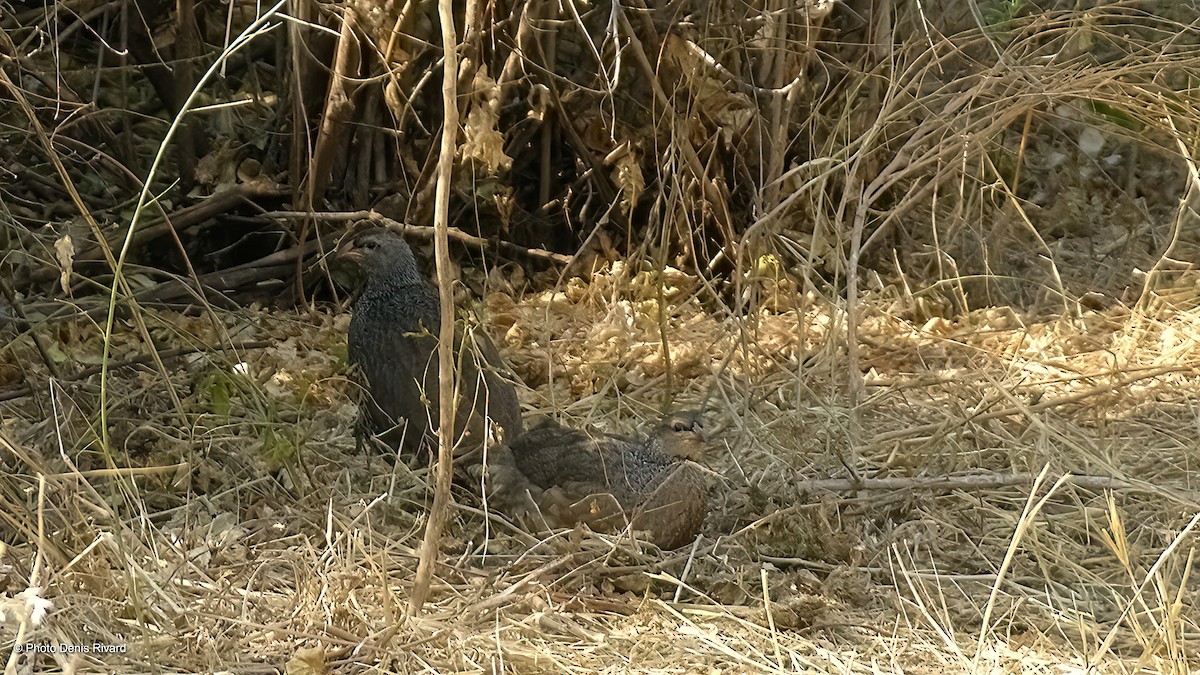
(608, 481)
(393, 342)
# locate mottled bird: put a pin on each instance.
(564, 477)
(393, 347)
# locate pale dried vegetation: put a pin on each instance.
(980, 462)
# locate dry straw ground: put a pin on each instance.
(930, 267)
(1038, 518)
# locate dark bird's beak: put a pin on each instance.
(347, 252)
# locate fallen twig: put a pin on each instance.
(981, 481)
(925, 430)
(425, 232)
(141, 359)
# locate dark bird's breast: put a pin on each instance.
(393, 344)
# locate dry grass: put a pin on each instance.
(858, 184)
(252, 536)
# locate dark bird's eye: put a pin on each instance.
(681, 426)
(369, 244)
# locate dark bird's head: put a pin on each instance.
(683, 434)
(380, 254)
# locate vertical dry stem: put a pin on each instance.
(446, 394)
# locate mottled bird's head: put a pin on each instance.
(683, 434)
(380, 253)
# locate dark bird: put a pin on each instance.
(393, 347)
(564, 477)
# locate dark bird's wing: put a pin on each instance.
(487, 394)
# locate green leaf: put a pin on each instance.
(215, 388)
(1115, 115)
(277, 448)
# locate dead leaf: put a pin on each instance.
(483, 143)
(64, 250)
(628, 175)
(219, 167)
(307, 661)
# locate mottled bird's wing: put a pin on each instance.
(572, 503)
(551, 454)
(609, 482)
(674, 511)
